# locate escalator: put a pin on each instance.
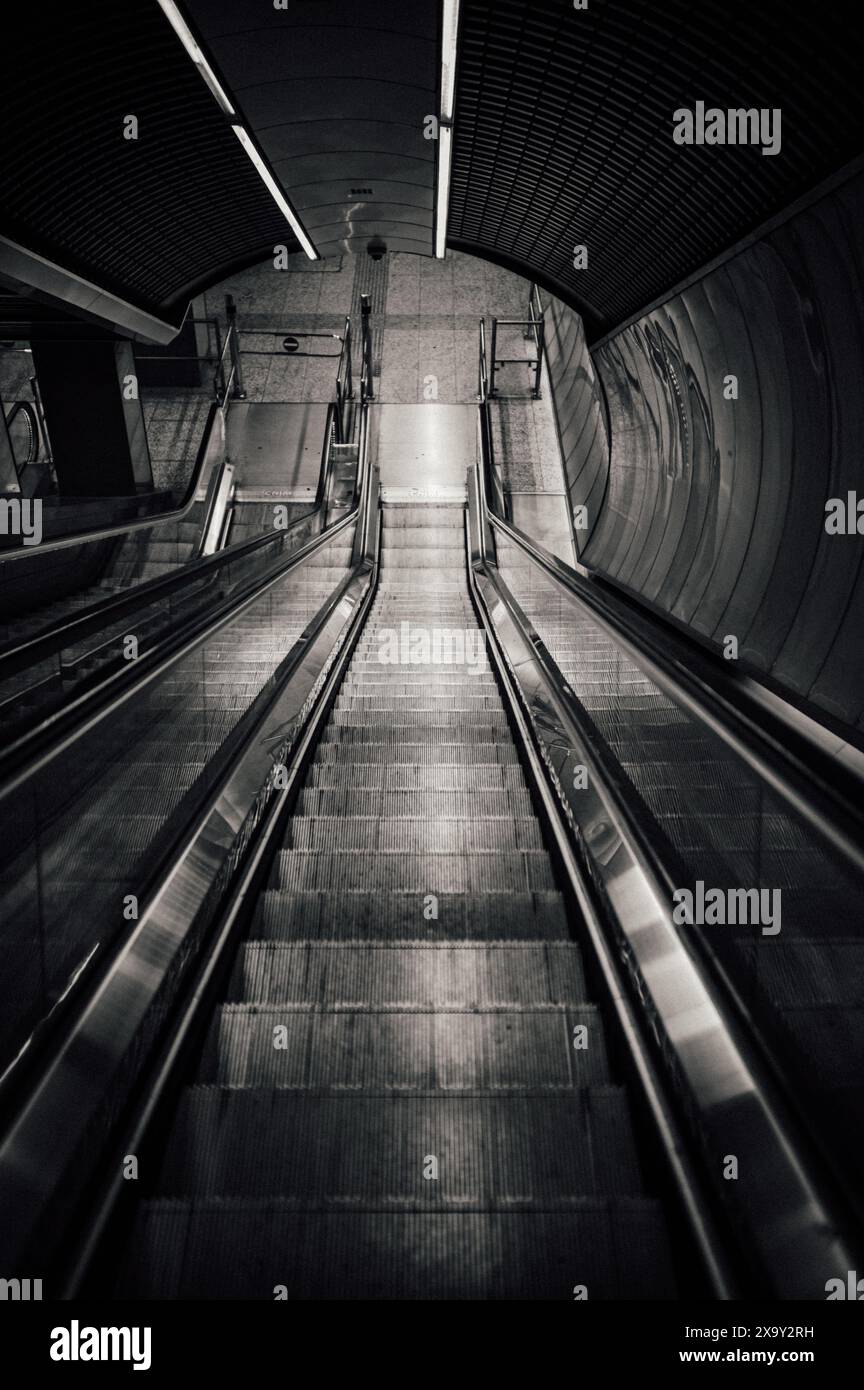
(402, 1010)
(441, 1117)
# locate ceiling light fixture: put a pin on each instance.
(186, 37)
(449, 36)
(275, 191)
(184, 34)
(445, 148)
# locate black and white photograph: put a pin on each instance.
(431, 676)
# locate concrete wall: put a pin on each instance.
(714, 513)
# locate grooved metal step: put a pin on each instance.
(409, 917)
(386, 976)
(374, 871)
(499, 835)
(412, 805)
(318, 1050)
(334, 747)
(499, 1152)
(386, 776)
(615, 1247)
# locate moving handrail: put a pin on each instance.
(712, 1075)
(54, 1144)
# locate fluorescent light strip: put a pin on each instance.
(449, 35)
(275, 191)
(449, 32)
(184, 34)
(445, 137)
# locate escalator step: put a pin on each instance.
(431, 702)
(437, 753)
(402, 515)
(272, 1046)
(428, 729)
(499, 835)
(341, 916)
(395, 684)
(425, 537)
(616, 1248)
(387, 776)
(823, 971)
(396, 977)
(492, 1151)
(399, 872)
(414, 804)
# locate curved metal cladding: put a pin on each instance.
(337, 94)
(736, 414)
(581, 415)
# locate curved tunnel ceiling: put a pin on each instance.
(152, 219)
(563, 135)
(337, 94)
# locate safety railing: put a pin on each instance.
(499, 499)
(536, 320)
(534, 330)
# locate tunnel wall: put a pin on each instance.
(714, 512)
(580, 414)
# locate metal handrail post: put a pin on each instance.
(541, 342)
(348, 348)
(366, 391)
(238, 391)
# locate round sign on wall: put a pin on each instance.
(290, 344)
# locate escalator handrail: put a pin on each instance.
(624, 861)
(103, 533)
(105, 612)
(105, 1021)
(758, 726)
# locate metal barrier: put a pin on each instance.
(535, 326)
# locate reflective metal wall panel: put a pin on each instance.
(580, 413)
(735, 413)
(276, 446)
